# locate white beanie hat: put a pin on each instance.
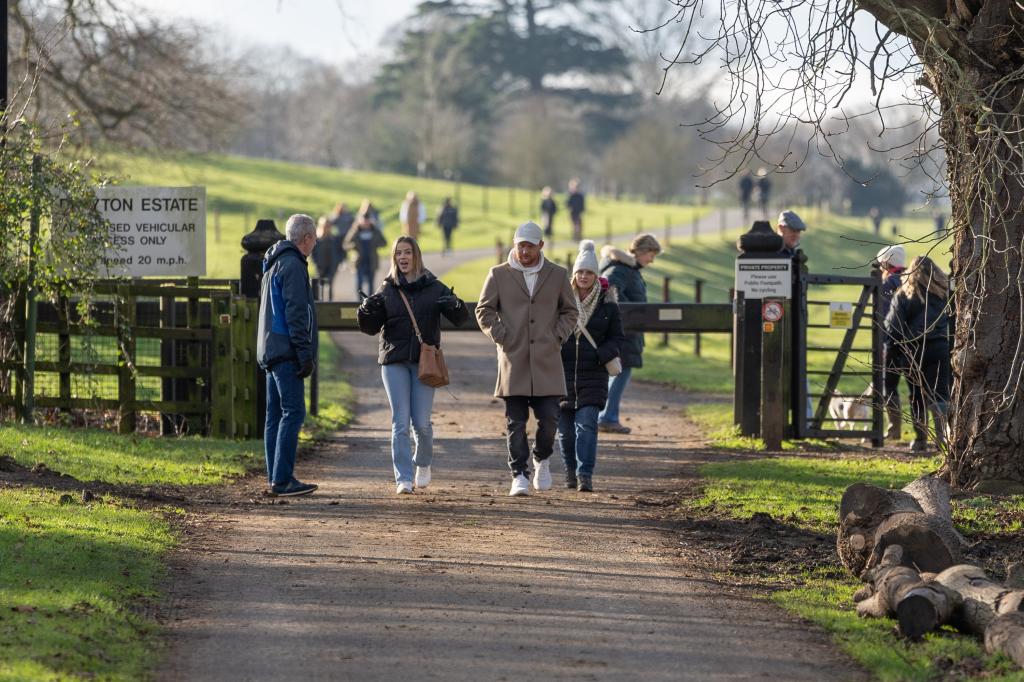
(587, 259)
(892, 256)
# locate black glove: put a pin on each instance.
(373, 304)
(448, 303)
(306, 369)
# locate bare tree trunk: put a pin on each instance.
(984, 146)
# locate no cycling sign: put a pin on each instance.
(154, 230)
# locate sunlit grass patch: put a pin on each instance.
(95, 455)
(336, 395)
(802, 490)
(73, 579)
(827, 600)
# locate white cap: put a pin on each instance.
(587, 259)
(528, 232)
(892, 256)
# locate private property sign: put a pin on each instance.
(764, 277)
(154, 230)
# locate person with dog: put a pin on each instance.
(528, 309)
(622, 270)
(409, 290)
(286, 348)
(892, 260)
(918, 325)
(586, 354)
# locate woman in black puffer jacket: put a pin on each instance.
(410, 399)
(585, 355)
(918, 325)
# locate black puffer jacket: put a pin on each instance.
(623, 272)
(586, 379)
(912, 322)
(386, 311)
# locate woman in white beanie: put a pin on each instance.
(587, 357)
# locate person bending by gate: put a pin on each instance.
(408, 291)
(623, 272)
(918, 323)
(587, 355)
(286, 348)
(892, 260)
(527, 308)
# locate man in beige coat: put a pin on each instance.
(527, 309)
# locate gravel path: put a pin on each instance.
(461, 582)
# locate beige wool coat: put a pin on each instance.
(528, 331)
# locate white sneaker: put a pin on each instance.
(403, 488)
(520, 486)
(422, 477)
(542, 474)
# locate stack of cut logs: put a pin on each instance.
(902, 543)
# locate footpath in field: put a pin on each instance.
(461, 582)
(713, 223)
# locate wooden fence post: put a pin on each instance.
(31, 316)
(193, 359)
(126, 321)
(666, 298)
(244, 312)
(64, 350)
(698, 297)
(222, 418)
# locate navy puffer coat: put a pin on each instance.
(586, 379)
(623, 273)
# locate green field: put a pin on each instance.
(240, 190)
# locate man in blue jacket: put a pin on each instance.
(286, 348)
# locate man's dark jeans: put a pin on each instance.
(286, 410)
(517, 413)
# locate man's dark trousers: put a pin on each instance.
(517, 413)
(286, 410)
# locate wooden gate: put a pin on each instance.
(837, 354)
(177, 348)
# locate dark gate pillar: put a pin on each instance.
(758, 244)
(256, 244)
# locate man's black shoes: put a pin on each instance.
(292, 488)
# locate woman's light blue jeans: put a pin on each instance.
(577, 434)
(411, 400)
(616, 387)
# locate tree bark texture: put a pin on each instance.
(973, 63)
(982, 127)
(872, 518)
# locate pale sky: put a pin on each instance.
(335, 31)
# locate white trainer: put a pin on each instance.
(520, 486)
(542, 474)
(403, 488)
(422, 477)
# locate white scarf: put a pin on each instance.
(529, 273)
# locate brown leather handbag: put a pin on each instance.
(433, 371)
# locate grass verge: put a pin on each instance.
(95, 455)
(804, 492)
(74, 576)
(336, 396)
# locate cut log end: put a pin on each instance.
(917, 616)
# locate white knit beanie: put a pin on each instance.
(587, 259)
